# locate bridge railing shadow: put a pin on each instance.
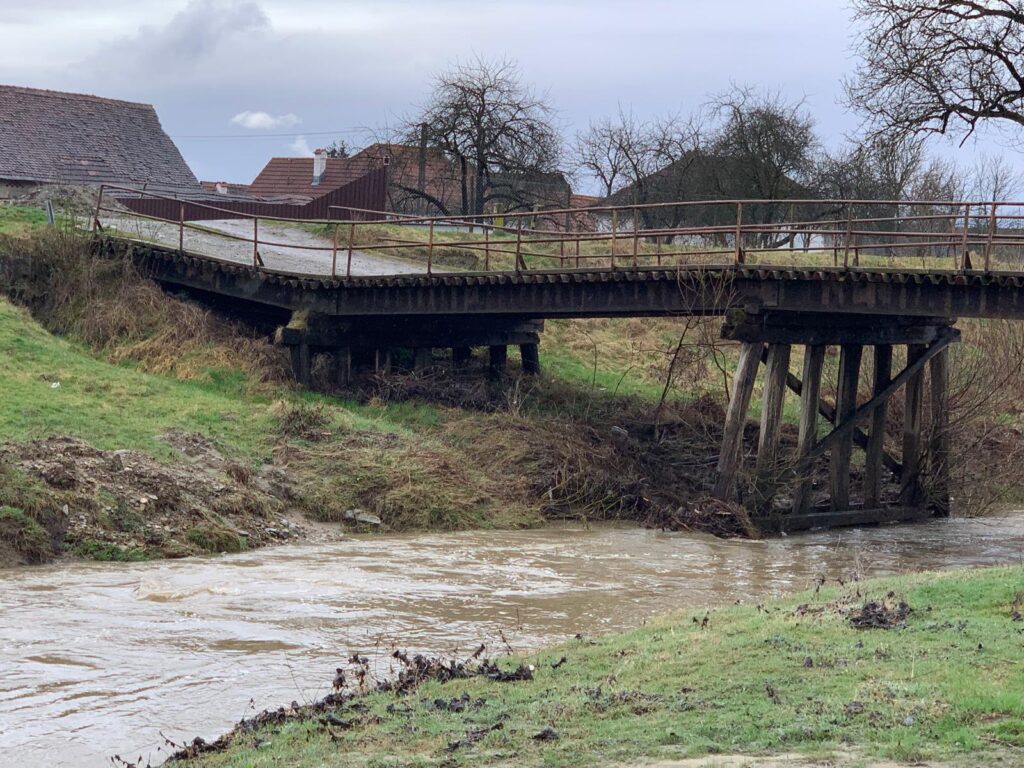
(905, 235)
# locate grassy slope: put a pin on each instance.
(948, 686)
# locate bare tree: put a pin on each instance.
(939, 66)
(994, 178)
(764, 149)
(641, 162)
(498, 134)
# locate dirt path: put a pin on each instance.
(290, 256)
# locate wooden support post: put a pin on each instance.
(876, 438)
(421, 358)
(343, 366)
(810, 395)
(846, 406)
(499, 358)
(910, 480)
(771, 418)
(301, 363)
(530, 354)
(939, 370)
(736, 417)
(461, 357)
(382, 360)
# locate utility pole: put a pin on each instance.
(421, 181)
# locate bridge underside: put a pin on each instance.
(772, 313)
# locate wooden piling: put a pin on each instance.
(301, 367)
(810, 395)
(876, 438)
(736, 417)
(773, 400)
(939, 448)
(498, 359)
(421, 358)
(343, 366)
(530, 354)
(846, 405)
(910, 480)
(461, 357)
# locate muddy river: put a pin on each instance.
(99, 659)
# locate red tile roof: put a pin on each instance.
(293, 176)
(73, 138)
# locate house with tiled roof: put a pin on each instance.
(51, 137)
(306, 178)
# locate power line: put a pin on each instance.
(293, 134)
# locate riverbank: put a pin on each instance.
(138, 425)
(915, 669)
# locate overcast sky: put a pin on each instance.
(278, 77)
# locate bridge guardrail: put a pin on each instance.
(929, 235)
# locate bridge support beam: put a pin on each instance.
(530, 355)
(939, 379)
(736, 419)
(927, 345)
(498, 359)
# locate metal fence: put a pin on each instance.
(367, 193)
(846, 234)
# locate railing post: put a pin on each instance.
(351, 241)
(965, 262)
(487, 249)
(334, 252)
(430, 248)
(181, 228)
(99, 206)
(991, 234)
(657, 246)
(577, 250)
(256, 242)
(739, 233)
(846, 237)
(636, 237)
(519, 244)
(615, 229)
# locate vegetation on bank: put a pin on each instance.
(96, 354)
(933, 675)
(624, 424)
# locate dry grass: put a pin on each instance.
(107, 305)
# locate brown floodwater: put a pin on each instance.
(98, 659)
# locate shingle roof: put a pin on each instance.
(293, 176)
(73, 138)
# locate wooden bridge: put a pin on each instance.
(815, 274)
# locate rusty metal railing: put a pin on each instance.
(845, 234)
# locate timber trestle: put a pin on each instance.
(785, 492)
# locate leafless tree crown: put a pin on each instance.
(939, 66)
(496, 131)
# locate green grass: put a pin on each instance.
(19, 219)
(116, 406)
(790, 676)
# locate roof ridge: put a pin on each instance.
(73, 95)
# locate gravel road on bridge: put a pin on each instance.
(286, 257)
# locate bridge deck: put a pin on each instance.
(597, 292)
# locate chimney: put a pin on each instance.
(221, 187)
(319, 165)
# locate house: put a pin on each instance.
(301, 179)
(51, 137)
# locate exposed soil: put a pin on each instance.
(123, 505)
